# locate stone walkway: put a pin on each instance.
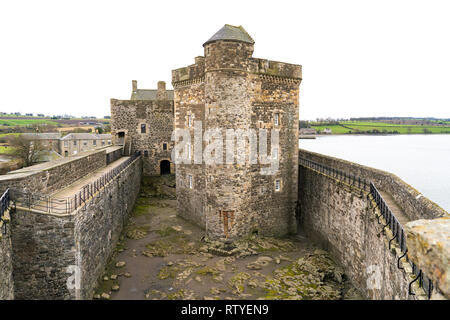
(162, 256)
(72, 189)
(395, 208)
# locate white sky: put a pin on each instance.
(360, 58)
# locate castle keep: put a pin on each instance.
(229, 89)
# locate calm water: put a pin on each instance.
(423, 161)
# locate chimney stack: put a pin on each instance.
(162, 94)
(134, 85)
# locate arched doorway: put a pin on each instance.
(164, 167)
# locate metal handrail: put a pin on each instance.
(345, 177)
(67, 205)
(399, 235)
(5, 200)
(391, 221)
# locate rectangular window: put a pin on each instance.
(66, 143)
(276, 119)
(277, 185)
(84, 143)
(164, 146)
(190, 182)
(94, 142)
(145, 153)
(103, 142)
(143, 128)
(189, 121)
(109, 141)
(74, 142)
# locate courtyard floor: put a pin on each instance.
(162, 256)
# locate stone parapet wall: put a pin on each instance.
(43, 249)
(51, 176)
(6, 280)
(343, 220)
(413, 203)
(51, 250)
(428, 243)
(98, 226)
(113, 153)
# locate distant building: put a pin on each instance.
(70, 144)
(50, 140)
(307, 131)
(74, 143)
(327, 131)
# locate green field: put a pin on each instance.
(25, 122)
(6, 150)
(355, 127)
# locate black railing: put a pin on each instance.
(343, 176)
(391, 221)
(4, 205)
(400, 237)
(50, 204)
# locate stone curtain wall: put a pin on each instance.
(405, 196)
(343, 221)
(428, 244)
(97, 228)
(128, 115)
(43, 248)
(51, 176)
(6, 280)
(45, 245)
(112, 154)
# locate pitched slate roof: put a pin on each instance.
(148, 94)
(229, 32)
(42, 136)
(86, 136)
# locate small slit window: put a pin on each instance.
(277, 185)
(143, 128)
(145, 153)
(191, 184)
(94, 142)
(164, 146)
(276, 119)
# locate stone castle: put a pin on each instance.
(228, 89)
(62, 220)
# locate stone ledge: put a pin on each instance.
(413, 203)
(428, 243)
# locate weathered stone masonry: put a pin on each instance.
(45, 245)
(145, 123)
(343, 219)
(51, 176)
(6, 280)
(229, 89)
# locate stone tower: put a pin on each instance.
(229, 89)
